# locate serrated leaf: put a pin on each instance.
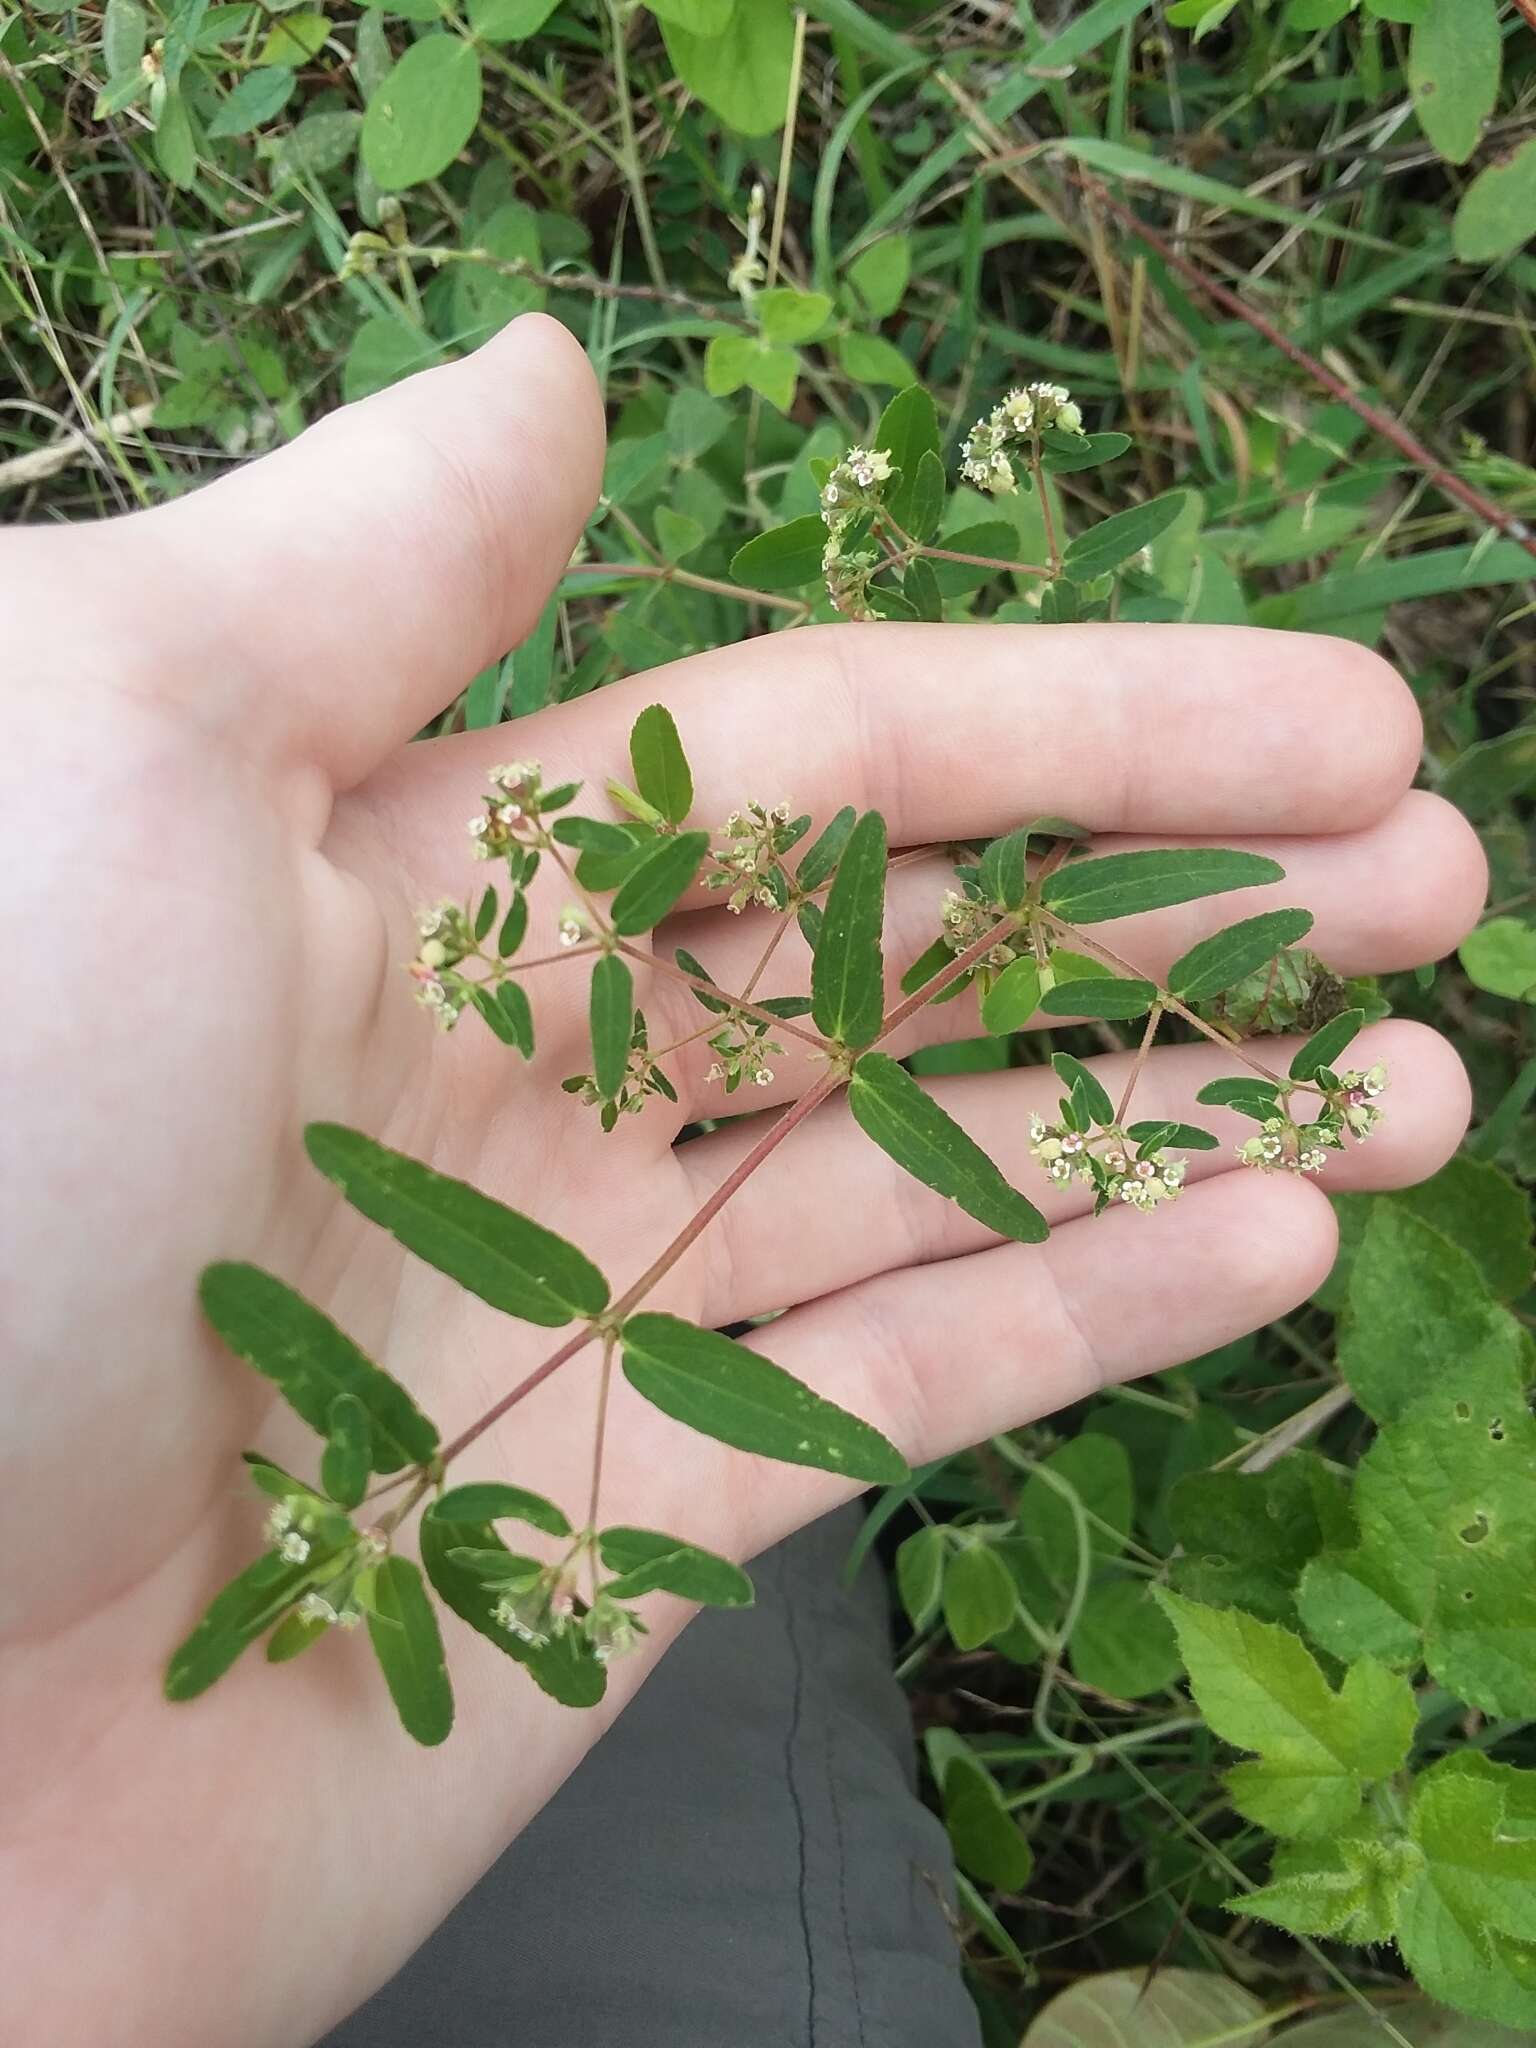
(1126, 884)
(564, 1668)
(1467, 1925)
(1322, 1049)
(505, 1258)
(1229, 956)
(648, 1562)
(612, 1018)
(911, 1128)
(298, 1347)
(740, 1398)
(848, 969)
(1348, 1888)
(491, 1500)
(662, 774)
(1100, 995)
(1114, 540)
(784, 558)
(1260, 1688)
(662, 875)
(402, 1626)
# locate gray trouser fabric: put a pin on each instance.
(741, 1863)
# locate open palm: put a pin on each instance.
(216, 836)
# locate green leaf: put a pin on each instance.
(402, 1626)
(294, 38)
(1500, 957)
(347, 1459)
(732, 360)
(909, 1125)
(1481, 1209)
(175, 143)
(423, 113)
(1229, 956)
(848, 970)
(909, 429)
(787, 316)
(1066, 454)
(982, 1832)
(1073, 1074)
(1106, 995)
(564, 1668)
(655, 883)
(1416, 1303)
(1421, 2025)
(612, 1017)
(1260, 1688)
(124, 31)
(648, 1562)
(826, 849)
(871, 359)
(507, 21)
(979, 1597)
(740, 1398)
(878, 276)
(1467, 1926)
(1323, 1047)
(491, 1500)
(1124, 884)
(259, 97)
(743, 73)
(1135, 2009)
(661, 770)
(1454, 58)
(1245, 1092)
(1248, 1536)
(1490, 772)
(1089, 1476)
(293, 1635)
(1123, 1643)
(1114, 540)
(1348, 1888)
(920, 1573)
(503, 1257)
(1497, 211)
(783, 558)
(1182, 1137)
(245, 1609)
(384, 349)
(1013, 997)
(704, 17)
(292, 1343)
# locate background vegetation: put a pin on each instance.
(181, 187)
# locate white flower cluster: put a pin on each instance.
(1112, 1172)
(446, 939)
(852, 488)
(965, 919)
(744, 1051)
(755, 841)
(1025, 412)
(514, 799)
(1286, 1146)
(538, 1606)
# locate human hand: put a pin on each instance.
(218, 836)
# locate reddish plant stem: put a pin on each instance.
(1154, 1018)
(1391, 430)
(695, 981)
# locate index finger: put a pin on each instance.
(964, 730)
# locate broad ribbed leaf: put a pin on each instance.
(1099, 995)
(649, 1562)
(1228, 957)
(489, 1500)
(505, 1258)
(654, 885)
(402, 1626)
(740, 1398)
(662, 775)
(564, 1668)
(848, 971)
(612, 1017)
(906, 1122)
(292, 1343)
(1123, 884)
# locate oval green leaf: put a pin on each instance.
(980, 1599)
(662, 774)
(848, 969)
(654, 885)
(347, 1458)
(1324, 1047)
(1100, 995)
(826, 849)
(294, 1344)
(1013, 998)
(649, 1562)
(740, 1398)
(1227, 957)
(503, 1257)
(908, 1125)
(612, 1019)
(423, 113)
(490, 1500)
(1114, 540)
(783, 558)
(402, 1626)
(1124, 884)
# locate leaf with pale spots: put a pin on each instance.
(402, 1626)
(909, 1126)
(740, 1398)
(503, 1257)
(648, 1562)
(292, 1343)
